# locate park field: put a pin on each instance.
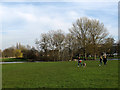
(60, 75)
(12, 59)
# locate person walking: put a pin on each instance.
(105, 59)
(101, 59)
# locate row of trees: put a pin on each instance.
(20, 51)
(87, 37)
(11, 52)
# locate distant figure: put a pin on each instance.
(79, 61)
(101, 59)
(84, 64)
(104, 59)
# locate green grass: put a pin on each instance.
(22, 59)
(12, 59)
(60, 75)
(113, 57)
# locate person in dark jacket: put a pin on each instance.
(105, 59)
(101, 59)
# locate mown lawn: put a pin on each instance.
(60, 75)
(12, 59)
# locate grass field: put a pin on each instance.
(60, 75)
(12, 59)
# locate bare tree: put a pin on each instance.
(86, 37)
(52, 42)
(80, 32)
(59, 41)
(98, 34)
(42, 44)
(89, 32)
(71, 44)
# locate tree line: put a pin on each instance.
(20, 51)
(86, 38)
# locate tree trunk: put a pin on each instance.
(71, 56)
(54, 55)
(94, 56)
(84, 54)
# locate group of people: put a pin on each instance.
(103, 59)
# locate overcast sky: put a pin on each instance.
(24, 21)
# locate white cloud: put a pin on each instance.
(27, 16)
